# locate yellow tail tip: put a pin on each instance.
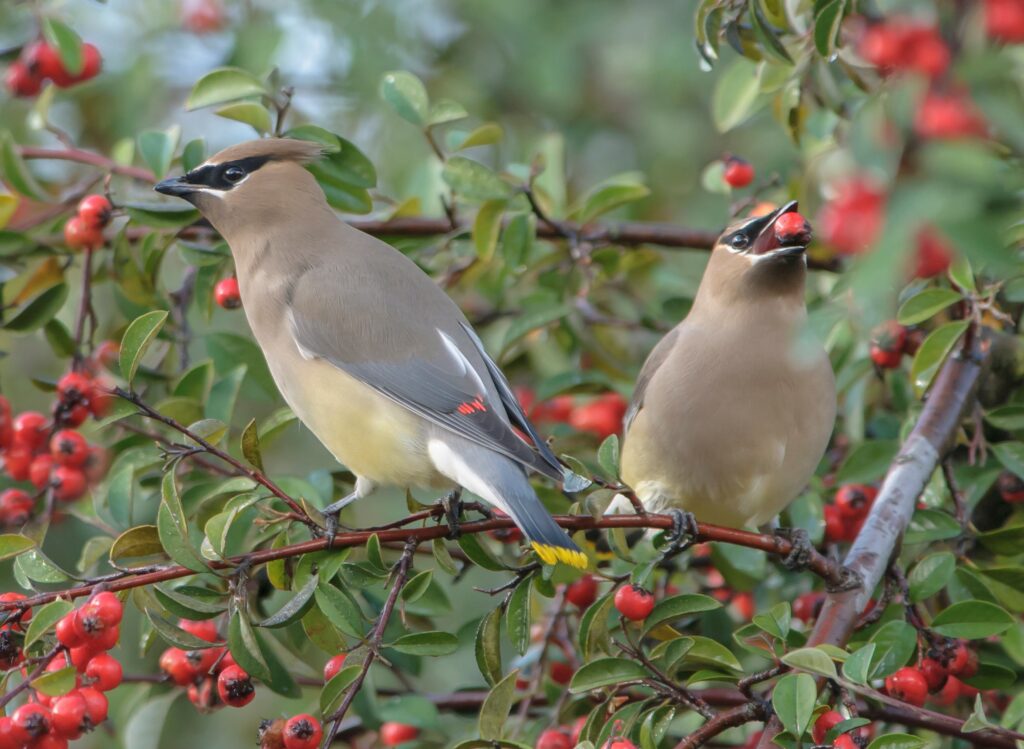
(553, 554)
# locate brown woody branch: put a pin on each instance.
(87, 157)
(951, 395)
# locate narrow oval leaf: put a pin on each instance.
(517, 615)
(250, 113)
(933, 352)
(605, 672)
(426, 643)
(11, 545)
(137, 339)
(334, 690)
(45, 618)
(813, 660)
(794, 699)
(923, 306)
(406, 95)
(496, 707)
(38, 311)
(930, 575)
(296, 608)
(224, 85)
(473, 180)
(488, 646)
(972, 620)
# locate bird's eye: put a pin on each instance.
(739, 241)
(234, 173)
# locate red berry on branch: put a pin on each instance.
(234, 687)
(304, 732)
(69, 448)
(836, 527)
(42, 60)
(1011, 489)
(69, 716)
(33, 719)
(68, 633)
(11, 736)
(31, 430)
(557, 409)
(738, 172)
(393, 734)
(948, 116)
(845, 741)
(226, 293)
(633, 602)
(95, 210)
(15, 507)
(92, 61)
(932, 254)
(80, 235)
(935, 673)
(105, 671)
(825, 723)
(561, 672)
(75, 387)
(1004, 20)
(619, 743)
(68, 483)
(40, 470)
(854, 500)
(18, 462)
(333, 666)
(602, 416)
(97, 704)
(852, 220)
(202, 16)
(203, 694)
(964, 662)
(178, 667)
(21, 82)
(807, 606)
(554, 738)
(908, 685)
(792, 229)
(205, 629)
(582, 592)
(887, 343)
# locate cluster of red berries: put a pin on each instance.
(301, 731)
(738, 172)
(85, 228)
(212, 677)
(852, 220)
(939, 673)
(39, 62)
(50, 453)
(853, 740)
(85, 634)
(601, 415)
(226, 293)
(1004, 20)
(890, 341)
(845, 516)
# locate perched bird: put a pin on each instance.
(733, 409)
(367, 350)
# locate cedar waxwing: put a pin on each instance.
(733, 410)
(367, 350)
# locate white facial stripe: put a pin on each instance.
(774, 253)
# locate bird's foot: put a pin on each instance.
(801, 549)
(683, 533)
(331, 513)
(452, 504)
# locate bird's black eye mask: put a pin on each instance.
(224, 176)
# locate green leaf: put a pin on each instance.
(145, 724)
(517, 615)
(497, 706)
(193, 154)
(426, 643)
(249, 112)
(223, 85)
(867, 462)
(137, 339)
(45, 618)
(895, 643)
(251, 445)
(972, 620)
(333, 693)
(59, 338)
(930, 575)
(157, 148)
(140, 541)
(296, 608)
(15, 172)
(606, 672)
(67, 43)
(794, 699)
(1006, 540)
(517, 239)
(776, 621)
(443, 557)
(478, 554)
(488, 646)
(813, 660)
(444, 111)
(766, 34)
(38, 311)
(1011, 455)
(857, 666)
(677, 607)
(897, 741)
(1009, 418)
(339, 610)
(925, 305)
(485, 135)
(173, 528)
(933, 351)
(245, 648)
(828, 17)
(175, 635)
(961, 274)
(343, 163)
(704, 651)
(486, 227)
(608, 456)
(735, 94)
(406, 95)
(189, 602)
(610, 194)
(11, 545)
(473, 180)
(56, 683)
(413, 590)
(160, 216)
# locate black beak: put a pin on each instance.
(176, 186)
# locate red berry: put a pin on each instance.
(42, 60)
(105, 670)
(106, 607)
(15, 507)
(75, 387)
(792, 229)
(738, 173)
(836, 528)
(887, 343)
(304, 732)
(933, 254)
(557, 409)
(1011, 489)
(583, 592)
(852, 220)
(96, 464)
(807, 606)
(21, 82)
(80, 655)
(234, 687)
(934, 672)
(11, 736)
(743, 605)
(845, 741)
(333, 666)
(951, 691)
(964, 662)
(577, 729)
(69, 448)
(881, 46)
(393, 734)
(927, 53)
(176, 664)
(554, 738)
(825, 723)
(78, 234)
(949, 115)
(854, 500)
(68, 634)
(17, 462)
(91, 64)
(619, 743)
(96, 703)
(107, 353)
(202, 16)
(908, 685)
(1004, 20)
(40, 470)
(205, 629)
(633, 602)
(203, 694)
(30, 430)
(561, 672)
(69, 483)
(601, 416)
(70, 715)
(26, 616)
(94, 210)
(204, 659)
(226, 293)
(33, 719)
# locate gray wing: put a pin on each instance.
(420, 354)
(654, 361)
